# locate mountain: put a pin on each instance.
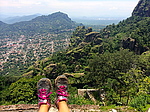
(142, 9)
(54, 23)
(2, 24)
(23, 43)
(130, 35)
(11, 20)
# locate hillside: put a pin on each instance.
(54, 23)
(131, 33)
(116, 61)
(2, 24)
(23, 43)
(11, 20)
(142, 9)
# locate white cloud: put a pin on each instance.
(14, 3)
(73, 7)
(113, 8)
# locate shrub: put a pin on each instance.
(22, 91)
(139, 102)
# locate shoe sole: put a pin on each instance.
(48, 82)
(61, 77)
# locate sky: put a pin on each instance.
(74, 8)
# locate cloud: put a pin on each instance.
(73, 7)
(14, 3)
(113, 8)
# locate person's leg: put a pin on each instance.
(43, 88)
(61, 83)
(44, 108)
(63, 107)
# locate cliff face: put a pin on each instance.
(142, 9)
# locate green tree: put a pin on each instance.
(144, 62)
(107, 71)
(22, 90)
(136, 83)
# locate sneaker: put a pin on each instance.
(43, 88)
(61, 83)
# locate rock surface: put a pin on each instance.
(73, 108)
(34, 108)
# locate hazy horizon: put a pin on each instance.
(74, 8)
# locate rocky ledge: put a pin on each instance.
(73, 108)
(34, 108)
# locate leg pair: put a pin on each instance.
(44, 86)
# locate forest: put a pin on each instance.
(116, 59)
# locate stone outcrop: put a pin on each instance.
(131, 44)
(101, 93)
(89, 37)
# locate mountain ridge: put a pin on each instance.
(142, 9)
(15, 19)
(2, 23)
(56, 22)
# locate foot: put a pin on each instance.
(43, 88)
(61, 83)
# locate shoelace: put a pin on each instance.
(43, 94)
(62, 91)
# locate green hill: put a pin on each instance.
(2, 24)
(23, 43)
(53, 23)
(11, 20)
